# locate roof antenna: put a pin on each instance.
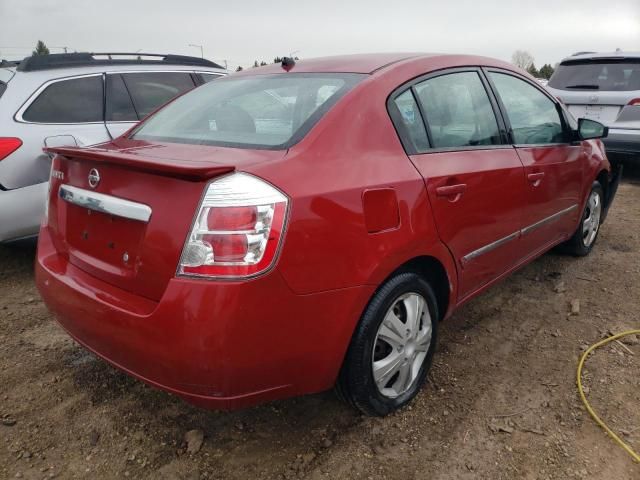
(288, 63)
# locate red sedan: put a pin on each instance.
(303, 226)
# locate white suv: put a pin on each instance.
(75, 99)
(604, 87)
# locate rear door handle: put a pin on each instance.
(451, 191)
(535, 177)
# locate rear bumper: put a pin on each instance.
(21, 210)
(623, 145)
(216, 344)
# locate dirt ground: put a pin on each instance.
(501, 402)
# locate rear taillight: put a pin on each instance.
(238, 229)
(8, 145)
(634, 103)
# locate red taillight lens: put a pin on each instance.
(8, 145)
(237, 230)
(232, 218)
(635, 102)
(228, 247)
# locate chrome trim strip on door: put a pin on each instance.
(487, 248)
(550, 218)
(100, 202)
(493, 245)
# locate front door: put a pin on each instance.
(553, 165)
(475, 180)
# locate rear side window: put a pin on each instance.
(149, 90)
(262, 111)
(534, 118)
(77, 100)
(412, 121)
(458, 111)
(597, 75)
(3, 87)
(119, 105)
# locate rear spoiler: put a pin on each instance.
(186, 169)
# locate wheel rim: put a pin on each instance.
(591, 221)
(401, 345)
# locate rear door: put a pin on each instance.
(131, 96)
(474, 179)
(553, 165)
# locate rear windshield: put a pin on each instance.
(604, 75)
(262, 111)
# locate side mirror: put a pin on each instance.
(588, 129)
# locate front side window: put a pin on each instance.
(262, 111)
(533, 116)
(77, 100)
(149, 90)
(458, 111)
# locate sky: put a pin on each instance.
(241, 31)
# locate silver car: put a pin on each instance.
(604, 87)
(75, 99)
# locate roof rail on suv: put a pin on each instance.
(84, 59)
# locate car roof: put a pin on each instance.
(355, 63)
(54, 66)
(371, 63)
(618, 55)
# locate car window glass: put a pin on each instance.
(268, 111)
(3, 87)
(622, 75)
(458, 111)
(533, 116)
(119, 105)
(77, 100)
(207, 77)
(149, 90)
(412, 121)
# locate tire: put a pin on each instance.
(585, 236)
(402, 361)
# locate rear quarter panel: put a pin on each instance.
(352, 149)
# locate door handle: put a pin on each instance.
(535, 178)
(449, 191)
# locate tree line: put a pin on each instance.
(524, 60)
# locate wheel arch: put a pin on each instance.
(603, 179)
(433, 271)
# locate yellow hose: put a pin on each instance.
(615, 437)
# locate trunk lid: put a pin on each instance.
(128, 228)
